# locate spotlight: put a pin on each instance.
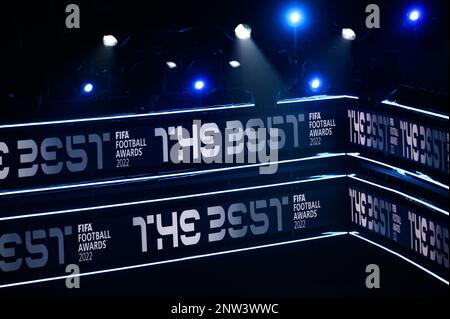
(171, 65)
(88, 88)
(109, 40)
(315, 85)
(199, 85)
(243, 31)
(234, 64)
(294, 18)
(414, 15)
(348, 34)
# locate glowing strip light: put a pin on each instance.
(410, 108)
(127, 116)
(400, 170)
(352, 176)
(356, 234)
(164, 199)
(317, 98)
(148, 178)
(232, 251)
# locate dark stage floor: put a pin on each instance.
(337, 271)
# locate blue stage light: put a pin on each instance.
(294, 17)
(315, 85)
(88, 88)
(414, 15)
(199, 85)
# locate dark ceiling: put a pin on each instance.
(44, 63)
